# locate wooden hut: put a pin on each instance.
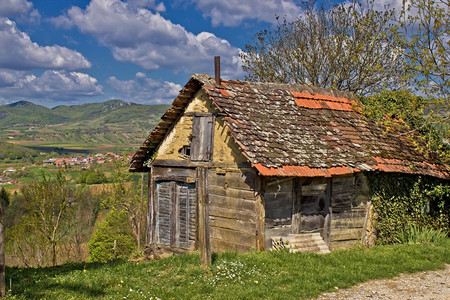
(237, 165)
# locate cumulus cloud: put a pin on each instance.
(12, 8)
(145, 90)
(145, 38)
(234, 12)
(18, 52)
(51, 85)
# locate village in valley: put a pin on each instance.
(83, 162)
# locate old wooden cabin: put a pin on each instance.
(240, 165)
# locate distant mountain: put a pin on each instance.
(25, 113)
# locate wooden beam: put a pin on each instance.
(327, 224)
(260, 214)
(151, 211)
(296, 205)
(203, 217)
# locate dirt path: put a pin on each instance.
(423, 285)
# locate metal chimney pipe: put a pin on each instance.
(217, 69)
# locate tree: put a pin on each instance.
(348, 47)
(50, 204)
(406, 114)
(423, 27)
(423, 34)
(124, 195)
(111, 240)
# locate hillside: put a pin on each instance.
(26, 113)
(90, 126)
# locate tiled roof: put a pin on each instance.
(297, 130)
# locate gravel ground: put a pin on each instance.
(423, 285)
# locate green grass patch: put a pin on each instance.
(270, 275)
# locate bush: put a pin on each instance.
(113, 228)
(92, 177)
(404, 201)
(421, 235)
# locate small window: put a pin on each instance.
(185, 151)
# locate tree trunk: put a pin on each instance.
(54, 253)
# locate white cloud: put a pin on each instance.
(51, 85)
(18, 52)
(145, 90)
(234, 12)
(145, 38)
(12, 8)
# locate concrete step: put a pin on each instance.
(303, 242)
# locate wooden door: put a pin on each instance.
(176, 213)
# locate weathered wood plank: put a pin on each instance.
(248, 216)
(346, 234)
(169, 163)
(236, 180)
(219, 245)
(260, 215)
(233, 203)
(203, 217)
(233, 224)
(233, 236)
(348, 223)
(231, 192)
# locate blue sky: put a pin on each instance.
(56, 52)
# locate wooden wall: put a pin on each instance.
(233, 219)
(349, 206)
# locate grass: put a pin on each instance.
(264, 275)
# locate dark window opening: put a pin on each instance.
(185, 151)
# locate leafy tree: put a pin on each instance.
(5, 197)
(92, 177)
(124, 195)
(111, 239)
(406, 114)
(50, 204)
(348, 47)
(423, 34)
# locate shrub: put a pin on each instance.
(404, 201)
(113, 228)
(92, 177)
(421, 235)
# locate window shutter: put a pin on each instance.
(202, 138)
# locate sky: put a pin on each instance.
(61, 52)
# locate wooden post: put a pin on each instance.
(260, 214)
(2, 256)
(296, 205)
(150, 239)
(327, 223)
(203, 217)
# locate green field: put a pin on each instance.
(263, 275)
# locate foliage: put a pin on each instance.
(408, 200)
(349, 47)
(406, 113)
(124, 194)
(92, 176)
(13, 152)
(49, 207)
(419, 235)
(114, 229)
(423, 33)
(5, 197)
(260, 275)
